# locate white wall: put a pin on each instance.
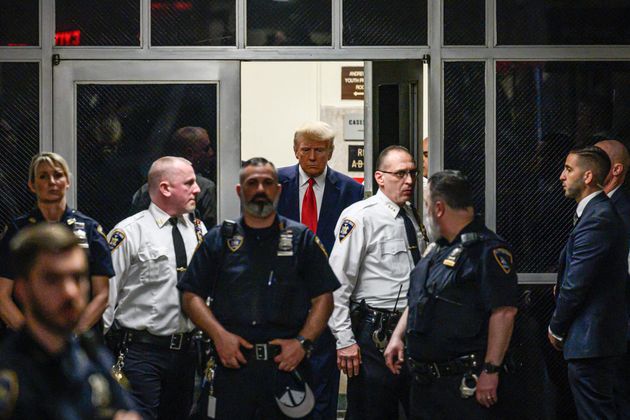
(277, 97)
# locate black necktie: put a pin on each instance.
(412, 238)
(180, 249)
(575, 218)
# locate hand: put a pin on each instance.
(228, 347)
(126, 415)
(291, 354)
(395, 355)
(557, 344)
(486, 392)
(349, 360)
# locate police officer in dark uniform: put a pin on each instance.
(462, 303)
(49, 179)
(271, 289)
(44, 372)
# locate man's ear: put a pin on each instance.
(617, 169)
(588, 177)
(165, 188)
(238, 190)
(378, 176)
(440, 208)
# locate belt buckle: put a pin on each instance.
(435, 371)
(261, 351)
(176, 341)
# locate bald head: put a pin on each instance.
(620, 161)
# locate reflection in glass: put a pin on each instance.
(464, 22)
(289, 23)
(563, 22)
(19, 21)
(122, 129)
(464, 124)
(97, 23)
(384, 22)
(543, 110)
(193, 22)
(19, 135)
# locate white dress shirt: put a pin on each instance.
(143, 293)
(371, 260)
(582, 204)
(318, 188)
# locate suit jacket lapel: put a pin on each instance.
(330, 202)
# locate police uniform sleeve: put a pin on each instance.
(498, 277)
(122, 249)
(6, 266)
(345, 261)
(201, 274)
(314, 267)
(100, 256)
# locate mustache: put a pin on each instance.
(261, 196)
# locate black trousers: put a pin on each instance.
(591, 383)
(161, 380)
(376, 392)
(325, 377)
(622, 387)
(247, 393)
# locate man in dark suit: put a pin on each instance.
(315, 195)
(590, 319)
(620, 197)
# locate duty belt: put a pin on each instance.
(178, 341)
(435, 370)
(262, 352)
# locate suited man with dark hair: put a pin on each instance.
(590, 320)
(315, 195)
(620, 197)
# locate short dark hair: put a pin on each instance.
(43, 238)
(256, 161)
(594, 159)
(386, 151)
(453, 188)
(183, 140)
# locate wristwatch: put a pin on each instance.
(307, 345)
(488, 367)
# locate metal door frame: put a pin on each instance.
(226, 74)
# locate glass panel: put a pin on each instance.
(563, 22)
(384, 22)
(194, 22)
(295, 22)
(97, 22)
(464, 124)
(543, 110)
(19, 22)
(464, 22)
(122, 129)
(19, 135)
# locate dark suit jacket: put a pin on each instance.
(340, 192)
(621, 200)
(590, 308)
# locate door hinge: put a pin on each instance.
(56, 59)
(426, 58)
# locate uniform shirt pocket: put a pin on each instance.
(394, 256)
(154, 264)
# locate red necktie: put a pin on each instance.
(309, 207)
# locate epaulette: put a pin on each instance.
(470, 238)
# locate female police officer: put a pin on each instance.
(49, 180)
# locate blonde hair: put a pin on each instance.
(51, 158)
(315, 130)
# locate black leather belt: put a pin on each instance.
(262, 352)
(436, 370)
(179, 341)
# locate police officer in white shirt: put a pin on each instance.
(150, 251)
(378, 242)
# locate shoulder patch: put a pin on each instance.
(321, 246)
(504, 258)
(9, 389)
(346, 228)
(235, 242)
(117, 238)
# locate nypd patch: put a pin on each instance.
(8, 392)
(346, 228)
(504, 258)
(117, 238)
(235, 242)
